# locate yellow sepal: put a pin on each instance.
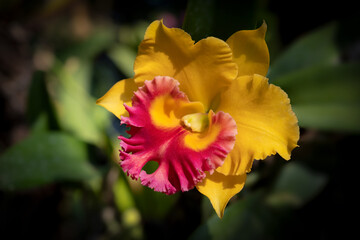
(118, 94)
(250, 51)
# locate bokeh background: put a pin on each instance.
(59, 177)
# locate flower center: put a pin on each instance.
(196, 122)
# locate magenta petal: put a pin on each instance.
(180, 167)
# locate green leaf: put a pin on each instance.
(160, 203)
(38, 104)
(132, 34)
(314, 49)
(256, 215)
(42, 159)
(199, 18)
(124, 58)
(130, 215)
(122, 195)
(219, 18)
(331, 117)
(69, 88)
(99, 40)
(324, 94)
(41, 125)
(325, 97)
(295, 186)
(248, 218)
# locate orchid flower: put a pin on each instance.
(203, 111)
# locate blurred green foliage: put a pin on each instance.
(65, 172)
(44, 158)
(253, 218)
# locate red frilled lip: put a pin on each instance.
(182, 156)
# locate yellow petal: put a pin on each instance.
(118, 94)
(264, 118)
(203, 69)
(266, 125)
(250, 51)
(219, 191)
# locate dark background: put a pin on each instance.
(55, 211)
